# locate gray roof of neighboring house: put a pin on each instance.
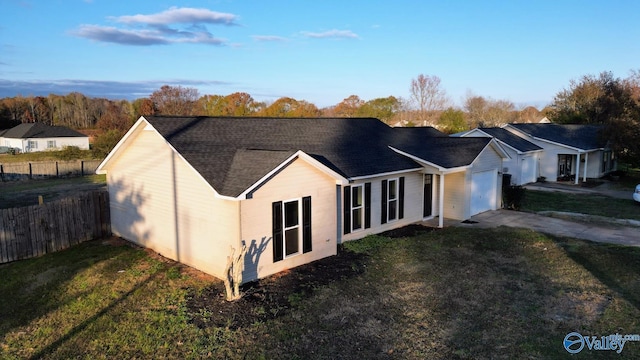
(39, 130)
(584, 137)
(247, 149)
(511, 139)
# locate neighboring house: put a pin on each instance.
(523, 155)
(570, 152)
(32, 137)
(192, 188)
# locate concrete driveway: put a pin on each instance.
(614, 234)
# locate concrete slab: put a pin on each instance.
(623, 235)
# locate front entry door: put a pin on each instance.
(428, 195)
(564, 166)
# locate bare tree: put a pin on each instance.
(175, 100)
(427, 93)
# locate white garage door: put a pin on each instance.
(483, 191)
(528, 170)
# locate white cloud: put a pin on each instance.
(331, 34)
(268, 38)
(173, 26)
(177, 15)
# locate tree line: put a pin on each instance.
(601, 99)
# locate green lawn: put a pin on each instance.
(456, 293)
(70, 153)
(24, 193)
(599, 205)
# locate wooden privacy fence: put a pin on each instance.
(47, 169)
(31, 231)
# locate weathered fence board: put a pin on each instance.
(47, 169)
(32, 231)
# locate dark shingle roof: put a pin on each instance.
(511, 139)
(234, 153)
(39, 130)
(426, 131)
(584, 137)
(448, 152)
(246, 149)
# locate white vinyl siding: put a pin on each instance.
(413, 187)
(158, 201)
(296, 181)
(455, 196)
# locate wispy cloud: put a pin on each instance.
(95, 88)
(331, 34)
(269, 38)
(177, 15)
(173, 26)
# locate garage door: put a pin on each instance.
(528, 170)
(483, 191)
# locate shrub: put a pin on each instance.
(71, 153)
(512, 197)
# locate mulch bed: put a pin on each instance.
(270, 297)
(275, 295)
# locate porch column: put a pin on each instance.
(441, 202)
(586, 161)
(577, 169)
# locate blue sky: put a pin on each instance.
(318, 51)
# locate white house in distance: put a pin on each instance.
(291, 190)
(571, 152)
(523, 162)
(32, 137)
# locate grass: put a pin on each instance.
(69, 153)
(453, 293)
(599, 205)
(23, 193)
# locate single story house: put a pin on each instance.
(524, 155)
(32, 137)
(570, 152)
(291, 190)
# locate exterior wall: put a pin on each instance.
(297, 180)
(158, 201)
(456, 195)
(413, 198)
(594, 165)
(42, 143)
(12, 143)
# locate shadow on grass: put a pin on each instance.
(618, 267)
(87, 322)
(32, 288)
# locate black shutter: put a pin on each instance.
(276, 209)
(401, 198)
(346, 210)
(367, 205)
(383, 204)
(306, 224)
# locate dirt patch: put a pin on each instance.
(273, 296)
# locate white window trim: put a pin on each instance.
(50, 142)
(361, 207)
(397, 189)
(285, 228)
